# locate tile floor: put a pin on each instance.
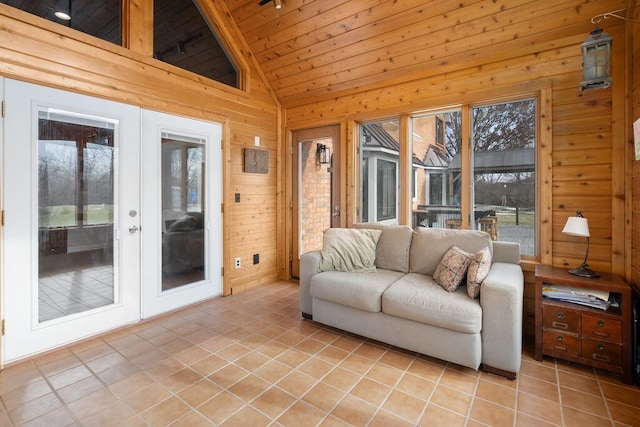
(250, 360)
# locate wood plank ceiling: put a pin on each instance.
(313, 50)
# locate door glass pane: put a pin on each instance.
(75, 213)
(436, 141)
(183, 215)
(315, 194)
(504, 141)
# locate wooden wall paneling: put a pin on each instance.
(138, 26)
(545, 176)
(42, 52)
(634, 275)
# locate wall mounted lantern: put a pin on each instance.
(579, 226)
(596, 53)
(323, 154)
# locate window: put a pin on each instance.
(379, 153)
(182, 37)
(99, 18)
(439, 200)
(500, 172)
(386, 190)
(504, 144)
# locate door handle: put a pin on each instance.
(133, 229)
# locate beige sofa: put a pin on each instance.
(400, 304)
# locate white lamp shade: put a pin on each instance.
(576, 226)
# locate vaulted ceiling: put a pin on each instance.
(317, 49)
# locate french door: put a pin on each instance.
(71, 246)
(112, 214)
(315, 188)
(182, 218)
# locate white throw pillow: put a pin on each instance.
(348, 249)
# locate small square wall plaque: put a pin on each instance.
(256, 160)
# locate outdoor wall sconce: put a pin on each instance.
(579, 226)
(323, 154)
(596, 51)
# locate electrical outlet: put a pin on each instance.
(237, 263)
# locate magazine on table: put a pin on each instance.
(587, 297)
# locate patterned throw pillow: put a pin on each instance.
(452, 268)
(478, 271)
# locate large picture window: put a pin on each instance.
(500, 170)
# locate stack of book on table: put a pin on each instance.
(589, 297)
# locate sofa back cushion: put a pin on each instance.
(392, 252)
(430, 244)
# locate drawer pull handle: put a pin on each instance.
(600, 357)
(600, 347)
(560, 338)
(559, 325)
(601, 323)
(560, 315)
(601, 334)
(562, 348)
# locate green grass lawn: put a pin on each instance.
(65, 215)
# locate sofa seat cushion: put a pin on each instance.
(358, 290)
(418, 297)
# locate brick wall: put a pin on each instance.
(315, 196)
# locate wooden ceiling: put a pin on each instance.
(312, 50)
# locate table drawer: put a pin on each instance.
(603, 329)
(555, 342)
(560, 319)
(601, 351)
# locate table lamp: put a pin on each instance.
(578, 226)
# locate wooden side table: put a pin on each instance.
(590, 336)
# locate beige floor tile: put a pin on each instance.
(523, 420)
(416, 386)
(371, 391)
(584, 402)
(249, 387)
(539, 388)
(496, 393)
(435, 416)
(92, 403)
(358, 364)
(58, 417)
(296, 383)
(273, 402)
(623, 413)
(396, 359)
(491, 414)
(426, 369)
(273, 371)
(316, 368)
(579, 382)
(333, 354)
(301, 414)
(341, 379)
(232, 352)
(147, 397)
(532, 405)
(209, 365)
(575, 418)
(310, 346)
(228, 375)
(621, 393)
(451, 399)
(354, 411)
(323, 396)
(293, 358)
(546, 372)
(221, 407)
(35, 408)
(166, 412)
(131, 384)
(405, 406)
(348, 342)
(192, 419)
(385, 374)
(370, 351)
(192, 355)
(199, 392)
(19, 396)
(385, 419)
(459, 381)
(180, 380)
(247, 416)
(113, 414)
(80, 389)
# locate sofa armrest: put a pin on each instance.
(501, 298)
(309, 266)
(506, 252)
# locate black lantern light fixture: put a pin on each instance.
(596, 53)
(579, 226)
(323, 154)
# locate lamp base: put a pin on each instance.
(584, 271)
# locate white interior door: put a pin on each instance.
(181, 215)
(71, 253)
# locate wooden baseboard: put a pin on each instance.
(501, 372)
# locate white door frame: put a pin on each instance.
(24, 334)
